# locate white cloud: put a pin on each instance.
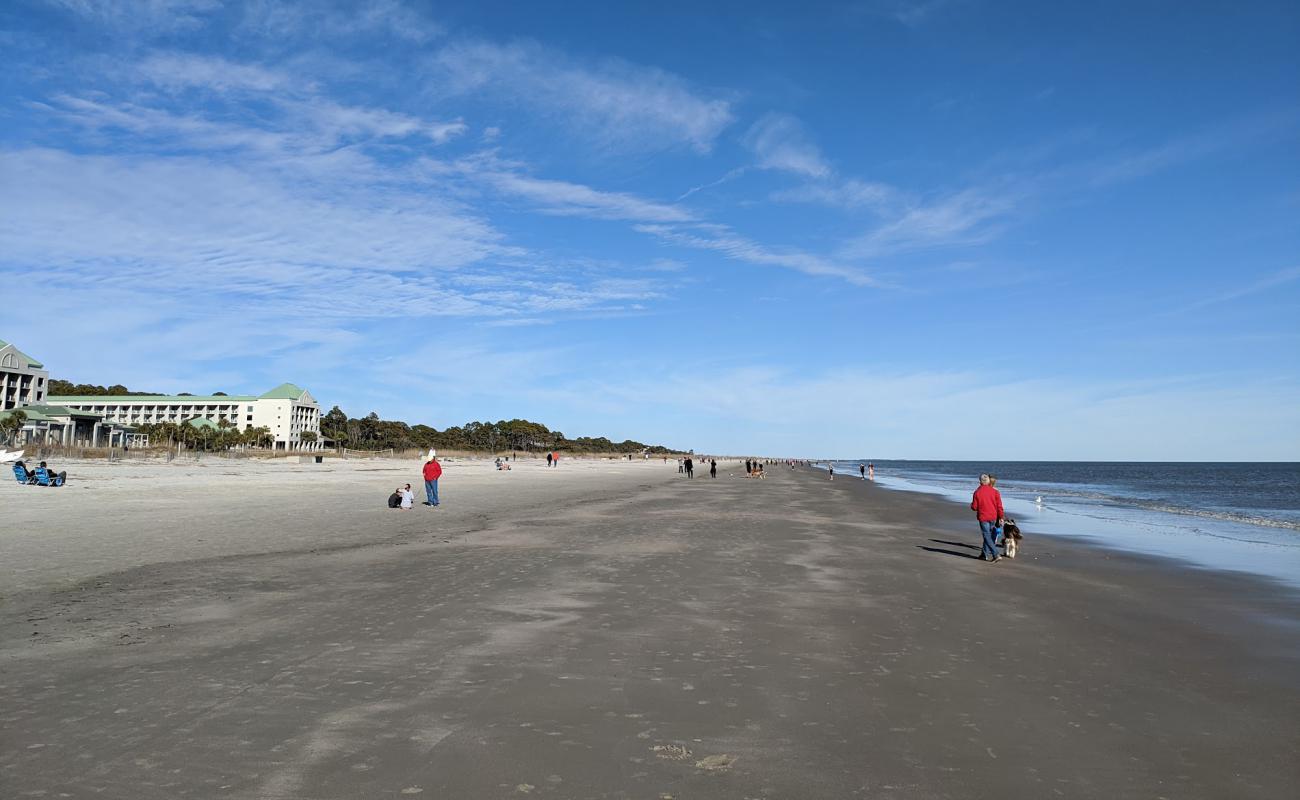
(186, 213)
(966, 217)
(288, 20)
(848, 194)
(615, 103)
(142, 16)
(857, 412)
(780, 142)
(571, 199)
(178, 70)
(720, 239)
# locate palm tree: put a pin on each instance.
(12, 423)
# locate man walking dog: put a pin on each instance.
(987, 505)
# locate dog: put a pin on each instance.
(1011, 537)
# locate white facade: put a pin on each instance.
(288, 419)
(23, 380)
(286, 411)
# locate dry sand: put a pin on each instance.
(611, 630)
(114, 516)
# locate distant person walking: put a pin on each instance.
(432, 472)
(871, 472)
(548, 459)
(713, 468)
(831, 467)
(749, 467)
(987, 505)
(862, 468)
(555, 459)
(690, 468)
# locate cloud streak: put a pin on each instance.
(617, 104)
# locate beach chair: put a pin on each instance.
(46, 478)
(20, 472)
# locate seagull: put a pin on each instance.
(1038, 501)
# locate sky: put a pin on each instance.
(952, 229)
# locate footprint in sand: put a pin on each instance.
(672, 752)
(722, 761)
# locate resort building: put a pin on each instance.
(287, 411)
(49, 424)
(23, 379)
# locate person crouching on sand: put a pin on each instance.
(987, 505)
(408, 498)
(395, 499)
(432, 472)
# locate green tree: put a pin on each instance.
(11, 423)
(335, 424)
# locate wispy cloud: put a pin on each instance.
(142, 16)
(1271, 281)
(572, 199)
(281, 20)
(847, 194)
(179, 70)
(720, 239)
(615, 103)
(780, 142)
(965, 217)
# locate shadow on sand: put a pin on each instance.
(975, 555)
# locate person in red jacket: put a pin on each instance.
(432, 472)
(987, 505)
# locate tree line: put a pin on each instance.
(372, 433)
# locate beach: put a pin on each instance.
(611, 629)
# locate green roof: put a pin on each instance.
(31, 362)
(199, 422)
(45, 411)
(285, 391)
(206, 399)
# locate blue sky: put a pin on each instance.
(885, 229)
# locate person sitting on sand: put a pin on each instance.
(52, 478)
(408, 498)
(395, 499)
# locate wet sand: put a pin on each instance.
(617, 631)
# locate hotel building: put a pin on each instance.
(287, 411)
(23, 380)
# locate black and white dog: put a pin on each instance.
(1011, 537)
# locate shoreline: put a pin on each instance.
(646, 634)
(1265, 553)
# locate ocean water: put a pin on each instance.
(1232, 516)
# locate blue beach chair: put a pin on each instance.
(46, 478)
(20, 473)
